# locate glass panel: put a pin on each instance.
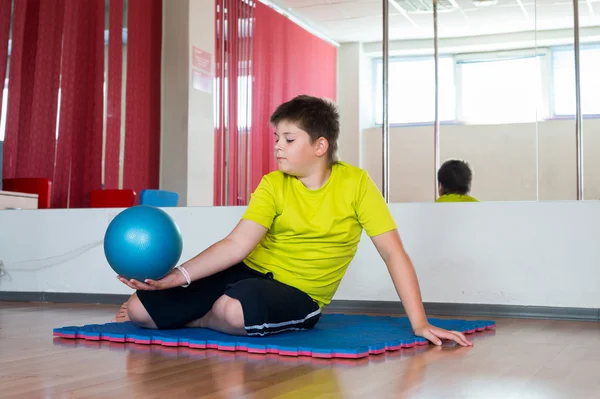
(557, 132)
(519, 73)
(412, 89)
(489, 153)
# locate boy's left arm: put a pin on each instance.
(405, 280)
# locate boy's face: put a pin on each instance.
(294, 152)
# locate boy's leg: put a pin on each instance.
(122, 315)
(137, 313)
(267, 307)
(225, 316)
(178, 307)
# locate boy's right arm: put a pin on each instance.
(228, 252)
(223, 254)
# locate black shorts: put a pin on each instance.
(269, 306)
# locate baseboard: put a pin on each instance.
(470, 309)
(338, 306)
(63, 297)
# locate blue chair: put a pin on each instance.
(159, 198)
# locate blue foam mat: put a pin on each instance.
(335, 336)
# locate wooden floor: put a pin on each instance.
(522, 359)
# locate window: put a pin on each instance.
(5, 107)
(563, 81)
(244, 101)
(501, 90)
(412, 90)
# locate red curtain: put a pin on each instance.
(20, 89)
(142, 143)
(232, 47)
(219, 165)
(256, 71)
(5, 10)
(114, 90)
(57, 68)
(40, 132)
(286, 64)
(33, 89)
(79, 160)
(233, 97)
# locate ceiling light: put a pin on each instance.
(485, 3)
(424, 6)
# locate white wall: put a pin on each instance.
(354, 100)
(187, 148)
(201, 122)
(174, 99)
(348, 99)
(516, 253)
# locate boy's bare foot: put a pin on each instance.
(121, 315)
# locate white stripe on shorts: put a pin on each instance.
(284, 323)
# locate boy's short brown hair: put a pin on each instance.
(455, 177)
(316, 116)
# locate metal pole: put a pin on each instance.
(578, 119)
(537, 127)
(436, 129)
(386, 127)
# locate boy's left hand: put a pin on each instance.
(436, 334)
(173, 279)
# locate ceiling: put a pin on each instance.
(361, 20)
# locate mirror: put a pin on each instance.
(557, 151)
(506, 95)
(489, 57)
(506, 99)
(589, 62)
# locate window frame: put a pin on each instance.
(545, 53)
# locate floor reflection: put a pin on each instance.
(234, 374)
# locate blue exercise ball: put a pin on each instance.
(142, 242)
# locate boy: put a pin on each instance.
(454, 179)
(284, 261)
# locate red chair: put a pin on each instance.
(113, 198)
(31, 185)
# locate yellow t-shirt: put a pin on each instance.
(456, 198)
(313, 234)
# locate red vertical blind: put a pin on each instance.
(57, 91)
(36, 158)
(5, 11)
(219, 118)
(256, 71)
(142, 130)
(21, 84)
(281, 74)
(114, 98)
(79, 158)
(232, 99)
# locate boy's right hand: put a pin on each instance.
(173, 279)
